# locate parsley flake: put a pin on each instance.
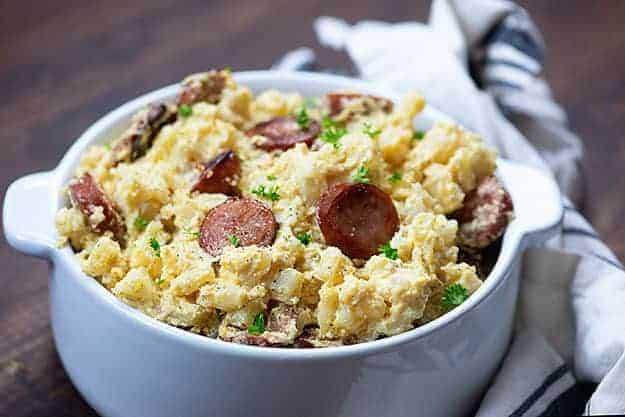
(394, 178)
(141, 223)
(328, 122)
(273, 193)
(159, 281)
(271, 177)
(227, 69)
(302, 119)
(370, 131)
(185, 110)
(155, 246)
(332, 133)
(258, 326)
(361, 175)
(259, 191)
(418, 135)
(107, 146)
(388, 251)
(270, 193)
(454, 295)
(304, 238)
(234, 240)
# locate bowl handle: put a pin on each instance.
(538, 208)
(28, 214)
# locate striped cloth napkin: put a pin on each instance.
(480, 62)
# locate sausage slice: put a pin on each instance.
(242, 337)
(139, 137)
(336, 102)
(88, 197)
(357, 218)
(284, 133)
(205, 86)
(485, 214)
(220, 175)
(249, 220)
(282, 329)
(310, 339)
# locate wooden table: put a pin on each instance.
(65, 63)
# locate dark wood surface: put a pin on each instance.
(65, 63)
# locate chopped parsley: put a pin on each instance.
(155, 246)
(304, 238)
(418, 135)
(394, 178)
(234, 240)
(270, 193)
(258, 326)
(107, 146)
(333, 136)
(328, 122)
(185, 110)
(159, 281)
(332, 133)
(141, 223)
(227, 69)
(361, 175)
(370, 131)
(302, 119)
(271, 177)
(388, 251)
(454, 295)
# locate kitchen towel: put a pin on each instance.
(480, 62)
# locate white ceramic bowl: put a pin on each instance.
(127, 364)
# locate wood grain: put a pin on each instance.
(65, 63)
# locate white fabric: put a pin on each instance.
(572, 308)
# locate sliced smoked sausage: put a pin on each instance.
(310, 339)
(281, 330)
(220, 175)
(336, 102)
(139, 137)
(205, 86)
(88, 197)
(357, 218)
(485, 214)
(284, 133)
(249, 220)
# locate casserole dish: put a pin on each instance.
(127, 364)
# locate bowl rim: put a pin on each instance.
(510, 247)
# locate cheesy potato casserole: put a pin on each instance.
(276, 220)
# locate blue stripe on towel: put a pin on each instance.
(580, 232)
(549, 381)
(520, 40)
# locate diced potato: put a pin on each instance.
(287, 287)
